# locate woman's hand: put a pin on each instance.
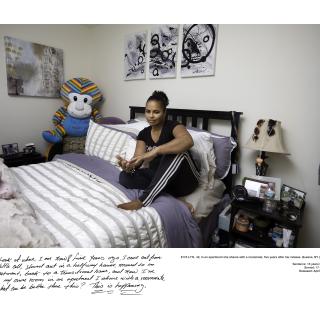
(124, 164)
(146, 157)
(136, 162)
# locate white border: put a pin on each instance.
(140, 11)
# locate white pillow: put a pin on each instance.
(135, 126)
(106, 143)
(203, 154)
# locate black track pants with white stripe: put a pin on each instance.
(176, 174)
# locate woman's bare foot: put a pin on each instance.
(132, 205)
(189, 206)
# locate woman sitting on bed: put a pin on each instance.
(164, 147)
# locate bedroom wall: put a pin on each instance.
(22, 119)
(265, 71)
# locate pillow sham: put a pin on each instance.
(111, 120)
(223, 147)
(106, 143)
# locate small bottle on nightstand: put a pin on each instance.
(269, 203)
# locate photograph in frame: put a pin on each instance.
(257, 188)
(275, 180)
(291, 194)
(10, 149)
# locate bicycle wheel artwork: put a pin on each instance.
(198, 50)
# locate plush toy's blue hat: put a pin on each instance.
(81, 86)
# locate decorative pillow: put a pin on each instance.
(106, 143)
(111, 120)
(223, 146)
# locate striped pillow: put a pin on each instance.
(106, 143)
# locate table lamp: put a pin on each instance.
(266, 137)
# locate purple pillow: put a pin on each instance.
(223, 147)
(111, 120)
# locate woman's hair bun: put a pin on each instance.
(161, 97)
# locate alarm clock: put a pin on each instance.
(29, 148)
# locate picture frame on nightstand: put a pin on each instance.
(258, 185)
(296, 196)
(10, 149)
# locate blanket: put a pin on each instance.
(75, 199)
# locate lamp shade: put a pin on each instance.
(267, 136)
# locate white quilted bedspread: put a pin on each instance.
(79, 209)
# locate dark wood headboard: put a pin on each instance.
(202, 117)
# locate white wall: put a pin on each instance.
(22, 119)
(265, 71)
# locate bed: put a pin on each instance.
(72, 200)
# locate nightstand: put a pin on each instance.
(21, 158)
(257, 228)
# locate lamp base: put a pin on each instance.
(261, 165)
